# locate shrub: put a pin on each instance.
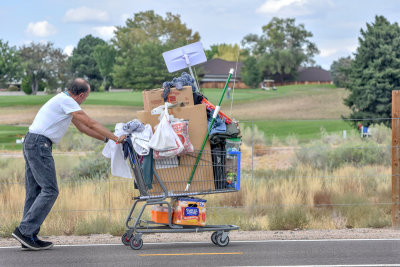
(27, 87)
(94, 167)
(321, 155)
(254, 136)
(291, 140)
(293, 218)
(13, 88)
(380, 133)
(314, 155)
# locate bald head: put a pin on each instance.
(78, 86)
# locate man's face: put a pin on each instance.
(82, 97)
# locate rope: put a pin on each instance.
(195, 77)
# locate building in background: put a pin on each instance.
(313, 75)
(213, 74)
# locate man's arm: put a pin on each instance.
(92, 128)
(86, 130)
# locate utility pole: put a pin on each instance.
(396, 159)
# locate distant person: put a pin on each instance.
(227, 92)
(49, 126)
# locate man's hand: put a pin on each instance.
(121, 139)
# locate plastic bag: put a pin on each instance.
(164, 137)
(165, 142)
(181, 129)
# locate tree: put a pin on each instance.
(374, 73)
(226, 52)
(104, 55)
(42, 62)
(339, 71)
(140, 44)
(250, 72)
(10, 64)
(281, 49)
(210, 53)
(83, 62)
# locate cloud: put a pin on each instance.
(327, 52)
(344, 47)
(85, 14)
(40, 29)
(68, 50)
(105, 32)
(292, 8)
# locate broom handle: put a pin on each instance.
(209, 129)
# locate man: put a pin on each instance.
(49, 126)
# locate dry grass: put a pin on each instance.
(294, 107)
(277, 196)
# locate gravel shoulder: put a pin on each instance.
(360, 233)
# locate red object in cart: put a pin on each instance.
(211, 107)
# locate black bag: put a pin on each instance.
(218, 160)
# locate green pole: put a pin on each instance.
(209, 129)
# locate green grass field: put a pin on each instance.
(9, 134)
(303, 130)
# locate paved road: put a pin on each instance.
(239, 253)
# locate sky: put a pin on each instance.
(335, 24)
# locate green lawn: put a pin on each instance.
(95, 98)
(135, 98)
(304, 130)
(9, 134)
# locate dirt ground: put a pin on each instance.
(108, 115)
(361, 233)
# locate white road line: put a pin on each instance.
(344, 265)
(235, 241)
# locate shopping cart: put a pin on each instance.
(216, 172)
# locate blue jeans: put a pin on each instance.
(40, 183)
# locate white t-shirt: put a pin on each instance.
(54, 118)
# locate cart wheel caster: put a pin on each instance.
(136, 244)
(221, 243)
(214, 238)
(125, 240)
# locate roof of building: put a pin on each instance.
(219, 66)
(313, 74)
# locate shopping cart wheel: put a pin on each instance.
(136, 244)
(125, 240)
(221, 243)
(214, 238)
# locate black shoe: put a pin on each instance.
(44, 244)
(29, 242)
(23, 247)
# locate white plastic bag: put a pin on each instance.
(165, 142)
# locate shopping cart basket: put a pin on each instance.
(216, 172)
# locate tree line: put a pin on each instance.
(133, 57)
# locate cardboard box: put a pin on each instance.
(153, 98)
(189, 211)
(175, 179)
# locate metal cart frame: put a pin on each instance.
(136, 227)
